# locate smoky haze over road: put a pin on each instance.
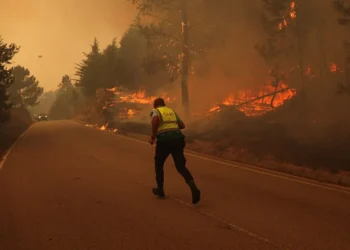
(65, 186)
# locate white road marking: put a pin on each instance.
(212, 216)
(2, 161)
(228, 224)
(251, 169)
(263, 172)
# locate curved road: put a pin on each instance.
(66, 186)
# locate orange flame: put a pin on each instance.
(333, 67)
(252, 104)
(292, 14)
(138, 97)
(104, 127)
(128, 113)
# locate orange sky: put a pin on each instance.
(60, 30)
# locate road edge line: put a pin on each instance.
(7, 153)
(255, 169)
(252, 168)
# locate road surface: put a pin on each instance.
(67, 186)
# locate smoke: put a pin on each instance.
(236, 64)
(60, 31)
(233, 64)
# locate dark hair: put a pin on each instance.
(159, 102)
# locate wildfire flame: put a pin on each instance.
(252, 104)
(131, 112)
(138, 97)
(128, 113)
(104, 127)
(333, 67)
(292, 14)
(137, 100)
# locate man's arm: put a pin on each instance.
(180, 122)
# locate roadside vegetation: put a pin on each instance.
(264, 82)
(19, 90)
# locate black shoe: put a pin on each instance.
(158, 192)
(196, 193)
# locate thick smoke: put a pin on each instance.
(59, 31)
(236, 64)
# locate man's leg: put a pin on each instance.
(162, 153)
(177, 152)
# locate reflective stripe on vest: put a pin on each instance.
(168, 120)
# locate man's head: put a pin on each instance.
(159, 102)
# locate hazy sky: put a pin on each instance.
(60, 30)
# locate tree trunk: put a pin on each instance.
(302, 105)
(347, 69)
(185, 59)
(20, 98)
(322, 51)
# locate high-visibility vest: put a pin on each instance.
(168, 120)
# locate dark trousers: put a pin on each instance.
(175, 147)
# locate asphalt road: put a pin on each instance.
(66, 186)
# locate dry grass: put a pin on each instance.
(242, 156)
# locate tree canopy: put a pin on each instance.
(66, 100)
(25, 90)
(7, 52)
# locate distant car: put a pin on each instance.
(42, 117)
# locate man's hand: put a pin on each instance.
(151, 140)
(181, 124)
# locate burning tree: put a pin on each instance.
(127, 104)
(168, 25)
(287, 25)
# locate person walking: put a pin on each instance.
(166, 131)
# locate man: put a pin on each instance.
(166, 126)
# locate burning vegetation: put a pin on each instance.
(126, 105)
(291, 14)
(259, 102)
(271, 91)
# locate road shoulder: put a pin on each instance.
(321, 177)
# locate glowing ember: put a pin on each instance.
(131, 112)
(128, 113)
(104, 127)
(214, 109)
(333, 67)
(257, 104)
(292, 14)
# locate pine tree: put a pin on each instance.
(66, 100)
(7, 52)
(110, 65)
(288, 25)
(172, 40)
(90, 71)
(25, 90)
